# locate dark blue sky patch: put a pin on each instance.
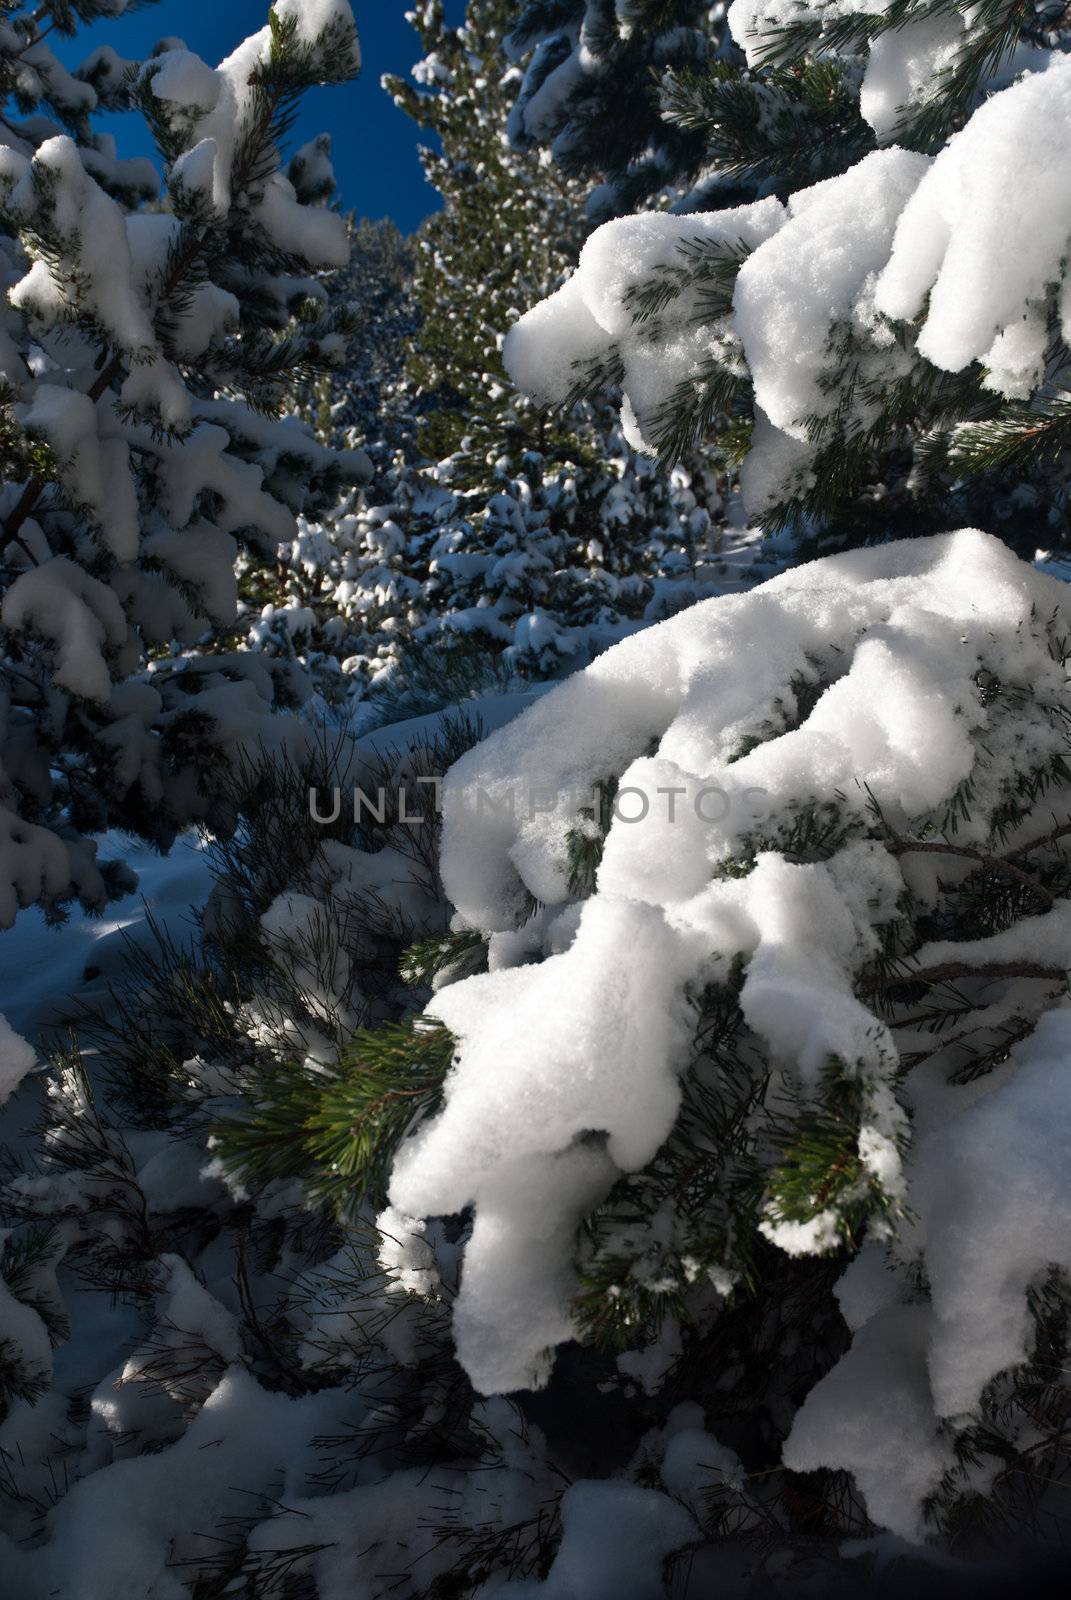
(375, 145)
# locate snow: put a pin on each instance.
(93, 464)
(312, 234)
(62, 88)
(566, 1072)
(809, 278)
(171, 1174)
(798, 994)
(572, 1044)
(202, 557)
(995, 1213)
(23, 1329)
(537, 115)
(660, 684)
(127, 1528)
(405, 1254)
(972, 242)
(590, 316)
(793, 294)
(542, 349)
(45, 967)
(208, 162)
(106, 67)
(17, 1058)
(35, 864)
(93, 228)
(615, 1538)
(694, 1462)
(396, 1516)
(191, 1312)
(867, 1286)
(754, 23)
(879, 1391)
(902, 66)
(985, 234)
(651, 1365)
(183, 78)
(310, 167)
(132, 550)
(77, 614)
(313, 18)
(214, 107)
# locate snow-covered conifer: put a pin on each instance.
(255, 1370)
(353, 404)
(497, 540)
(881, 336)
(767, 1020)
(143, 353)
(589, 94)
(658, 1183)
(506, 230)
(767, 1074)
(768, 1064)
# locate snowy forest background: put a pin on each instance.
(535, 801)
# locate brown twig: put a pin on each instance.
(949, 971)
(984, 863)
(1059, 832)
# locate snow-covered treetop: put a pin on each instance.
(497, 244)
(143, 353)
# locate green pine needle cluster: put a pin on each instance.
(339, 1128)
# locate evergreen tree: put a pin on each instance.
(743, 1098)
(590, 92)
(667, 1164)
(145, 353)
(861, 408)
(497, 541)
(507, 231)
(376, 287)
(256, 1342)
(754, 1099)
(767, 1074)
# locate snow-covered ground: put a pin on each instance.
(44, 967)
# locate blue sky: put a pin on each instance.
(375, 146)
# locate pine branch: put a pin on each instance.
(792, 128)
(1023, 437)
(338, 1129)
(954, 971)
(984, 863)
